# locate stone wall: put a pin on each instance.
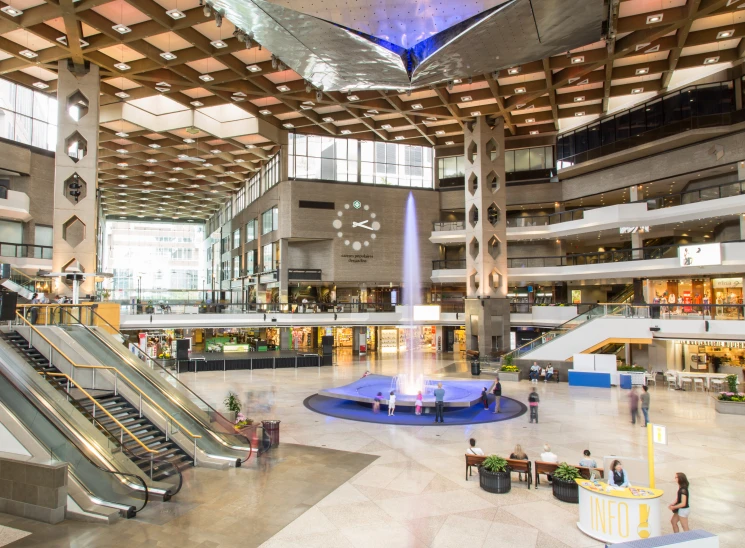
(32, 490)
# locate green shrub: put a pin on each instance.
(632, 368)
(508, 360)
(232, 403)
(566, 472)
(495, 463)
(732, 382)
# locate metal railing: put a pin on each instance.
(545, 220)
(22, 251)
(598, 257)
(449, 264)
(448, 225)
(704, 194)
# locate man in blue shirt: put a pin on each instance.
(439, 402)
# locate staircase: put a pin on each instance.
(168, 452)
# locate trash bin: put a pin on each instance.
(626, 381)
(475, 368)
(271, 429)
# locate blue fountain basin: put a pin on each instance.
(457, 393)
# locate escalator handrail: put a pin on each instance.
(165, 370)
(82, 452)
(116, 373)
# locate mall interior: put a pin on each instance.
(272, 272)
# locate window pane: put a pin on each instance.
(522, 159)
(7, 94)
(23, 129)
(24, 101)
(41, 106)
(7, 124)
(39, 136)
(537, 158)
(509, 161)
(549, 153)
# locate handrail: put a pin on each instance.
(116, 373)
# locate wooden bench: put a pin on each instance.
(548, 468)
(518, 466)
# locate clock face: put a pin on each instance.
(356, 225)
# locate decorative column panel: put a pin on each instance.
(76, 176)
(487, 307)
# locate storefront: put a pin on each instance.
(690, 296)
(302, 337)
(710, 356)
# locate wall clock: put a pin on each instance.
(356, 225)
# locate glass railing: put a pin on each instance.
(549, 219)
(598, 257)
(715, 192)
(310, 307)
(448, 225)
(449, 264)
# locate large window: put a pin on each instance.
(270, 220)
(236, 267)
(528, 159)
(271, 172)
(239, 200)
(250, 262)
(348, 160)
(253, 188)
(251, 230)
(27, 116)
(236, 239)
(269, 257)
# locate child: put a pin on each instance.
(485, 398)
(391, 403)
(419, 403)
(533, 400)
(376, 403)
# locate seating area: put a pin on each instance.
(526, 467)
(548, 469)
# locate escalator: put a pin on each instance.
(168, 455)
(215, 436)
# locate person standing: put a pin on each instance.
(439, 402)
(497, 396)
(419, 403)
(391, 404)
(645, 404)
(485, 398)
(634, 404)
(681, 507)
(533, 400)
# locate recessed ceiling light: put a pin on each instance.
(283, 88)
(196, 103)
(168, 56)
(121, 29)
(200, 176)
(288, 125)
(725, 34)
(346, 131)
(173, 180)
(578, 59)
(122, 134)
(149, 173)
(440, 132)
(188, 140)
(306, 107)
(519, 90)
(152, 160)
(637, 90)
(40, 85)
(122, 186)
(579, 98)
(122, 94)
(386, 126)
(205, 78)
(175, 14)
(28, 53)
(399, 137)
(352, 97)
(457, 81)
(122, 176)
(371, 112)
(640, 71)
(218, 44)
(572, 80)
(656, 18)
(147, 183)
(534, 132)
(711, 60)
(253, 68)
(161, 89)
(642, 46)
(417, 106)
(449, 142)
(10, 10)
(265, 112)
(529, 120)
(327, 119)
(154, 145)
(239, 160)
(215, 151)
(178, 168)
(121, 150)
(513, 70)
(475, 113)
(580, 113)
(122, 164)
(122, 66)
(213, 191)
(466, 98)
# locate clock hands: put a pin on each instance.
(362, 224)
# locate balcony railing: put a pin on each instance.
(725, 190)
(450, 225)
(25, 251)
(599, 257)
(545, 220)
(449, 264)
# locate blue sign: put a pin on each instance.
(530, 289)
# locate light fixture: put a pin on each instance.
(239, 160)
(327, 119)
(196, 103)
(253, 68)
(475, 113)
(371, 112)
(529, 120)
(151, 161)
(386, 126)
(579, 98)
(345, 131)
(205, 78)
(319, 95)
(352, 97)
(450, 85)
(122, 94)
(641, 71)
(215, 151)
(122, 134)
(417, 106)
(219, 44)
(572, 80)
(28, 53)
(121, 29)
(122, 66)
(175, 14)
(122, 176)
(399, 137)
(149, 173)
(580, 113)
(200, 176)
(168, 56)
(147, 183)
(265, 112)
(440, 132)
(725, 34)
(288, 125)
(534, 132)
(637, 90)
(577, 60)
(122, 186)
(121, 150)
(656, 18)
(122, 164)
(449, 142)
(711, 60)
(10, 10)
(283, 88)
(40, 85)
(466, 98)
(519, 90)
(178, 168)
(513, 70)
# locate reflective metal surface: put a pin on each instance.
(333, 57)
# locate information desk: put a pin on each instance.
(618, 515)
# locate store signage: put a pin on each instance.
(425, 312)
(722, 283)
(659, 434)
(723, 344)
(700, 254)
(357, 257)
(633, 229)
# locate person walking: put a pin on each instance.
(634, 404)
(439, 402)
(391, 403)
(497, 396)
(645, 404)
(681, 507)
(533, 400)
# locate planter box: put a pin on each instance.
(729, 407)
(507, 376)
(567, 491)
(495, 482)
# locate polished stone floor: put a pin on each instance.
(414, 493)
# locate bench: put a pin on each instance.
(519, 466)
(548, 468)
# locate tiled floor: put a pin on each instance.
(415, 494)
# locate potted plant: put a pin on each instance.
(509, 371)
(233, 405)
(494, 475)
(731, 402)
(564, 486)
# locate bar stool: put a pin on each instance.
(698, 381)
(650, 378)
(686, 381)
(716, 384)
(670, 381)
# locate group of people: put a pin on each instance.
(536, 372)
(635, 399)
(439, 394)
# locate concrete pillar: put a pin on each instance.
(283, 273)
(633, 193)
(487, 307)
(742, 227)
(627, 349)
(359, 339)
(285, 338)
(76, 170)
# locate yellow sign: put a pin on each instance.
(659, 434)
(609, 517)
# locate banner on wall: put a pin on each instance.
(700, 254)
